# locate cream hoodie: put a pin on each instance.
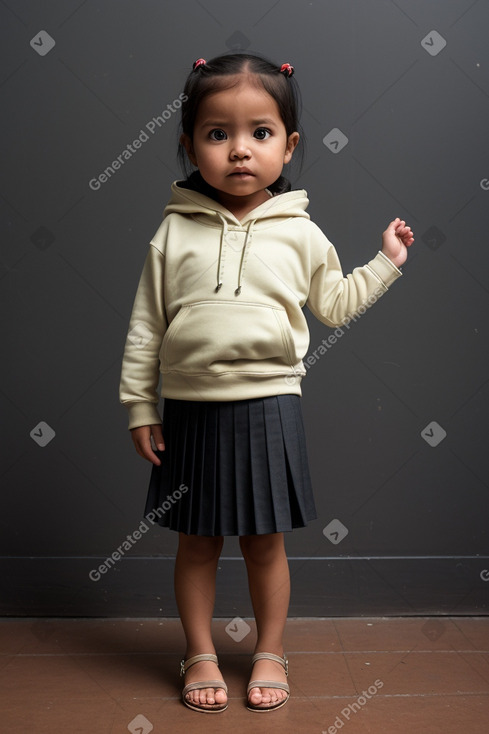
(218, 310)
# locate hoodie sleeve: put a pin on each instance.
(334, 298)
(138, 389)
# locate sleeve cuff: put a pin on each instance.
(143, 414)
(384, 269)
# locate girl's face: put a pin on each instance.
(240, 145)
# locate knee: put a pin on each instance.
(197, 549)
(261, 549)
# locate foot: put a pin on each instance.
(205, 670)
(267, 670)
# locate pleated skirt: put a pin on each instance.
(232, 468)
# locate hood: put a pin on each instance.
(202, 208)
(188, 201)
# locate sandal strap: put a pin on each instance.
(267, 684)
(284, 662)
(186, 664)
(204, 684)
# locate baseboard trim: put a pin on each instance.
(136, 586)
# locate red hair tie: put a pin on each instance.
(199, 62)
(287, 70)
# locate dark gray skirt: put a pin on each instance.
(232, 468)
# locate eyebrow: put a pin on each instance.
(224, 123)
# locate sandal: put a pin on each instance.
(269, 683)
(208, 708)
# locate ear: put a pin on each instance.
(292, 141)
(187, 144)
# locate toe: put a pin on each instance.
(255, 696)
(209, 696)
(199, 696)
(266, 696)
(205, 695)
(220, 695)
(270, 695)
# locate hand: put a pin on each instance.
(395, 241)
(142, 441)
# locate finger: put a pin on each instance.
(157, 433)
(404, 231)
(150, 455)
(143, 448)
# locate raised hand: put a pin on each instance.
(395, 241)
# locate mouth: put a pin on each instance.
(242, 173)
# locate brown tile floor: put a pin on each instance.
(111, 676)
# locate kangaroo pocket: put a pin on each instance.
(221, 336)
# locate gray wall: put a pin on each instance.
(416, 116)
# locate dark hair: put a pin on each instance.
(219, 73)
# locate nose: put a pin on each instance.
(240, 149)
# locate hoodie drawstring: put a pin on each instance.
(244, 254)
(222, 253)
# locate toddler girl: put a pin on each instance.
(218, 313)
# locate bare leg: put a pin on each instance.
(269, 583)
(195, 591)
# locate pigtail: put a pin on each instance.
(281, 186)
(195, 182)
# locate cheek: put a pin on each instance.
(208, 159)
